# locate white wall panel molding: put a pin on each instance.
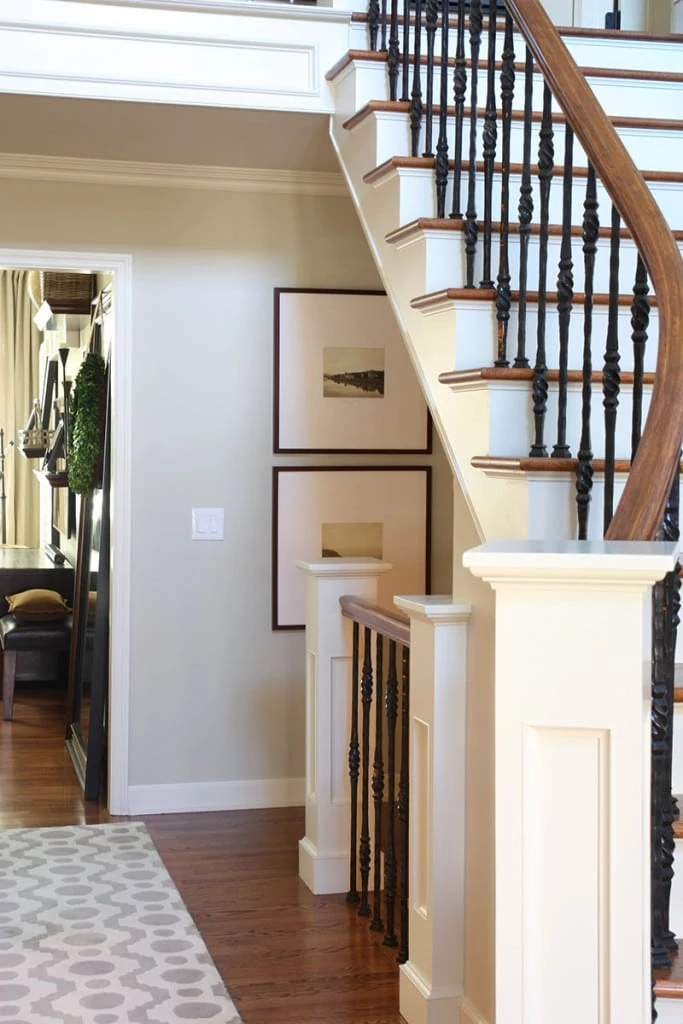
(276, 60)
(161, 175)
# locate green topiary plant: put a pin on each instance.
(85, 425)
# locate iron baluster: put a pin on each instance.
(390, 867)
(376, 925)
(611, 378)
(405, 75)
(584, 468)
(404, 802)
(393, 54)
(507, 79)
(640, 321)
(546, 157)
(354, 766)
(441, 166)
(364, 847)
(526, 212)
(431, 17)
(373, 22)
(459, 90)
(471, 226)
(416, 93)
(490, 135)
(565, 295)
(383, 26)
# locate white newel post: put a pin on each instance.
(431, 982)
(324, 850)
(572, 751)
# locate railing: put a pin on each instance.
(439, 52)
(380, 705)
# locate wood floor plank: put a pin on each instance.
(287, 957)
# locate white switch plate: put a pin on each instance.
(208, 523)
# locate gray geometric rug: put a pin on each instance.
(93, 931)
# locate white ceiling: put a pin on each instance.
(148, 132)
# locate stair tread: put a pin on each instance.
(530, 464)
(669, 983)
(514, 373)
(433, 299)
(380, 57)
(457, 224)
(403, 107)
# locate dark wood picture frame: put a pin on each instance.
(278, 471)
(278, 447)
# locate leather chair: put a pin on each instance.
(16, 637)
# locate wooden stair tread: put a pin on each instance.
(529, 464)
(669, 983)
(678, 691)
(403, 107)
(457, 224)
(512, 373)
(380, 57)
(435, 299)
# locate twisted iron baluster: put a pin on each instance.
(373, 22)
(403, 806)
(431, 17)
(405, 72)
(471, 226)
(546, 156)
(354, 766)
(383, 25)
(441, 165)
(640, 321)
(611, 378)
(416, 93)
(503, 302)
(377, 925)
(364, 851)
(490, 135)
(459, 90)
(565, 295)
(390, 866)
(584, 468)
(526, 212)
(393, 54)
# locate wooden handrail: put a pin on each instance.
(641, 509)
(393, 625)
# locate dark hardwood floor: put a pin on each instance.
(287, 957)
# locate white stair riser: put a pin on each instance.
(619, 97)
(676, 908)
(669, 1011)
(511, 422)
(654, 150)
(472, 325)
(678, 741)
(625, 53)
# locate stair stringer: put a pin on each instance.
(499, 507)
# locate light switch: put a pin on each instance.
(208, 523)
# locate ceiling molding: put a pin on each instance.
(160, 175)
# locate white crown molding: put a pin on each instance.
(160, 175)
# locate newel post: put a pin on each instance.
(572, 777)
(324, 850)
(432, 981)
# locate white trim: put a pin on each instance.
(240, 794)
(119, 699)
(160, 175)
(469, 1014)
(323, 873)
(228, 8)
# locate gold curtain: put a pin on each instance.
(19, 385)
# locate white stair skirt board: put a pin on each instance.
(669, 1011)
(677, 784)
(243, 794)
(676, 909)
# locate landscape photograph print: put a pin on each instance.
(353, 372)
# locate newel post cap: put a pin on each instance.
(623, 563)
(341, 568)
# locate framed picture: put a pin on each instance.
(343, 380)
(344, 511)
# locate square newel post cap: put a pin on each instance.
(435, 608)
(341, 568)
(621, 563)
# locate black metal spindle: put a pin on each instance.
(390, 867)
(611, 378)
(525, 211)
(459, 90)
(405, 70)
(503, 301)
(640, 322)
(393, 53)
(546, 157)
(416, 91)
(471, 225)
(490, 137)
(373, 22)
(441, 163)
(431, 18)
(404, 802)
(377, 924)
(565, 295)
(364, 850)
(584, 468)
(383, 26)
(354, 766)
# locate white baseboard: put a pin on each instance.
(216, 796)
(469, 1014)
(669, 1011)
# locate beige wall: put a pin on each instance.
(215, 695)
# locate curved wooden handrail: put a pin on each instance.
(390, 624)
(641, 508)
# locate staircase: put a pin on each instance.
(485, 412)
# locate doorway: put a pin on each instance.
(120, 267)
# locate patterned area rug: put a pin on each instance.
(93, 931)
